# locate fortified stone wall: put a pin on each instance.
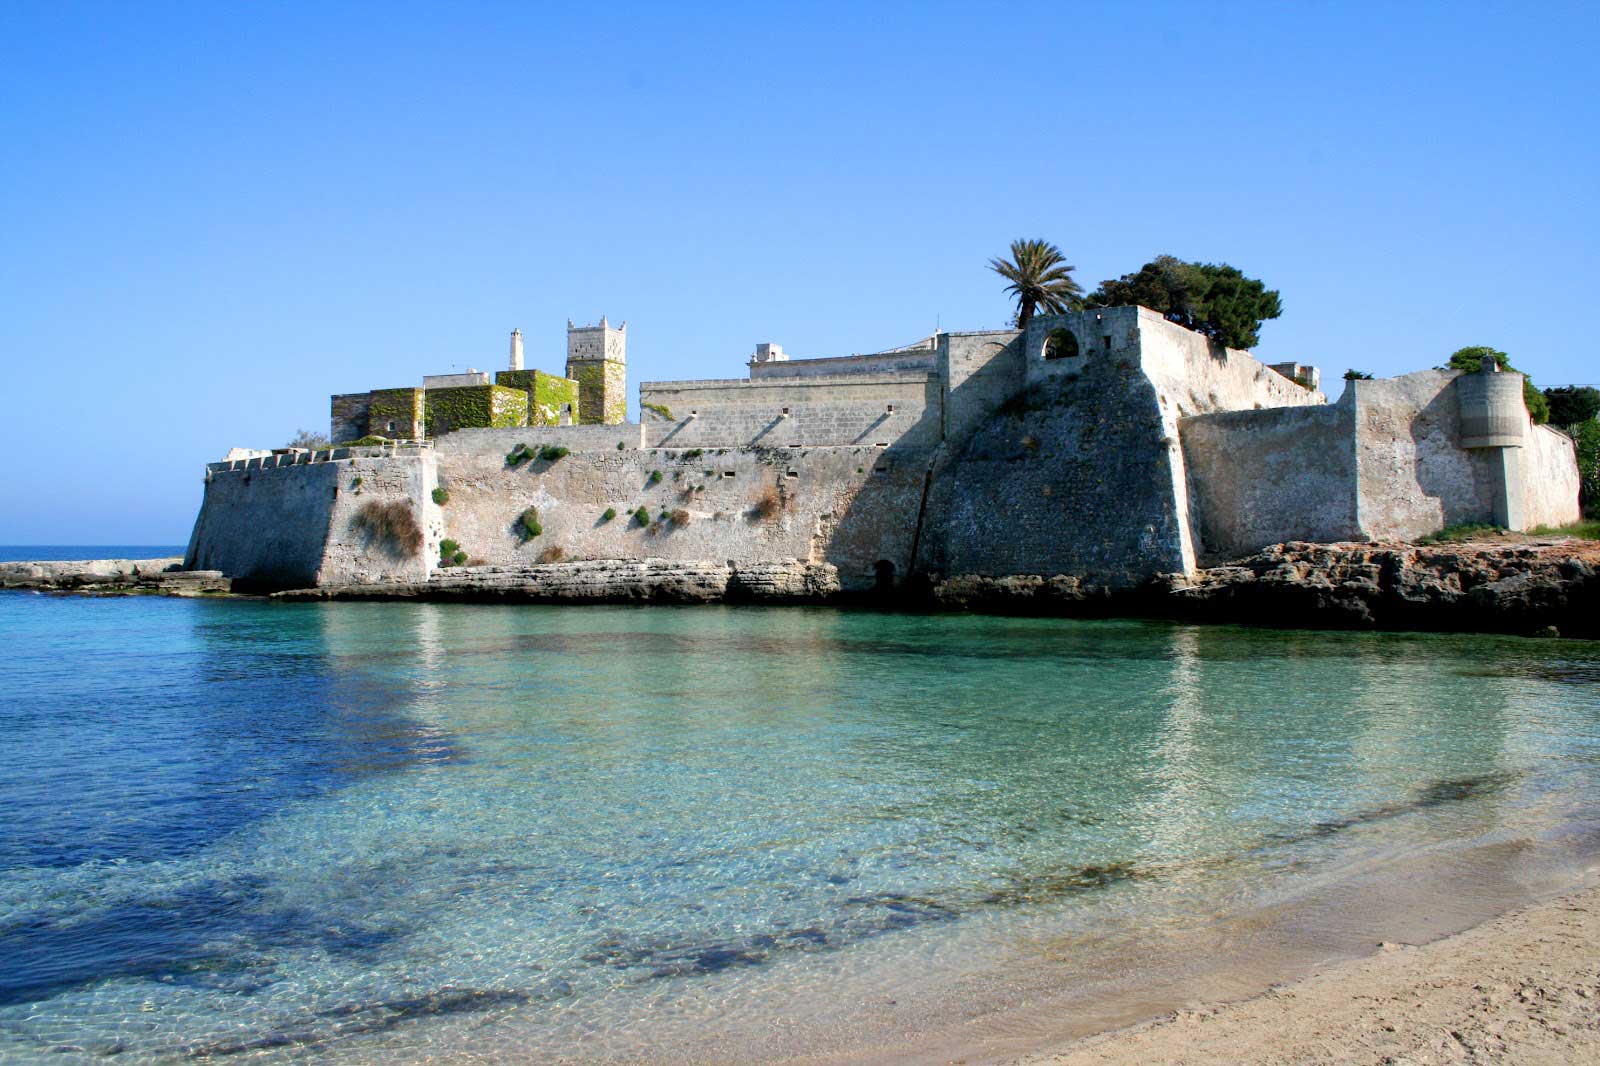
(881, 363)
(287, 522)
(1412, 475)
(1264, 477)
(981, 372)
(887, 409)
(1076, 478)
(851, 506)
(1550, 478)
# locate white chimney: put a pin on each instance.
(516, 349)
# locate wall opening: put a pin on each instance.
(1060, 344)
(883, 575)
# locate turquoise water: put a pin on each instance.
(412, 831)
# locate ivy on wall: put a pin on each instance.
(475, 407)
(403, 407)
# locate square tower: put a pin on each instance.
(597, 359)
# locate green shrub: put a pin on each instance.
(658, 409)
(655, 477)
(610, 513)
(391, 524)
(1589, 530)
(1586, 438)
(517, 456)
(550, 453)
(448, 547)
(621, 445)
(1461, 531)
(692, 453)
(642, 516)
(458, 558)
(528, 525)
(371, 440)
(356, 483)
(441, 496)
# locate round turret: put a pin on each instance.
(1492, 411)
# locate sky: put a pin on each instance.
(214, 216)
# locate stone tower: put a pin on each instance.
(597, 359)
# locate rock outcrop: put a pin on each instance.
(112, 576)
(1531, 587)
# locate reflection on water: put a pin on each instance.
(400, 830)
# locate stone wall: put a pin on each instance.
(981, 372)
(550, 399)
(349, 415)
(880, 363)
(291, 524)
(1550, 478)
(1076, 478)
(1263, 477)
(852, 507)
(397, 414)
(847, 410)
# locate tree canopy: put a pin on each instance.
(307, 438)
(1211, 298)
(1040, 277)
(1571, 404)
(1471, 360)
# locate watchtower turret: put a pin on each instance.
(597, 359)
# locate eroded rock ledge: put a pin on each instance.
(112, 576)
(1533, 587)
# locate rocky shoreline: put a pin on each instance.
(1537, 587)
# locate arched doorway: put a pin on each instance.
(883, 576)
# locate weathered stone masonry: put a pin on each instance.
(1107, 446)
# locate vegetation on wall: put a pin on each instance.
(1586, 435)
(1040, 278)
(553, 554)
(659, 409)
(642, 516)
(475, 407)
(551, 452)
(1211, 298)
(528, 525)
(609, 514)
(655, 477)
(768, 504)
(441, 495)
(371, 440)
(1357, 375)
(1471, 360)
(403, 407)
(391, 525)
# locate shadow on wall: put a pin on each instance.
(1456, 484)
(886, 529)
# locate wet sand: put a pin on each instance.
(1522, 988)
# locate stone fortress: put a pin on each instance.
(1110, 446)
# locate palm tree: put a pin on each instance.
(1039, 278)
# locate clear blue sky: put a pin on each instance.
(212, 216)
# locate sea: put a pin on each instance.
(232, 829)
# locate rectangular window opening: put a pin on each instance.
(1107, 340)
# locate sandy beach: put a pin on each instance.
(1522, 988)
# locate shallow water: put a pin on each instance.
(405, 831)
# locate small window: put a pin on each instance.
(728, 473)
(791, 473)
(785, 410)
(391, 427)
(1107, 340)
(1060, 344)
(889, 408)
(880, 469)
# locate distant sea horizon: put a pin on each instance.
(27, 553)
